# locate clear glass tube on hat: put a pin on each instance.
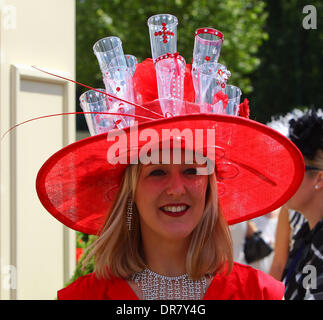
(211, 78)
(132, 62)
(116, 62)
(163, 34)
(106, 50)
(207, 48)
(170, 74)
(118, 82)
(93, 101)
(234, 94)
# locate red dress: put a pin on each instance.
(243, 283)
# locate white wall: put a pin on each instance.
(37, 254)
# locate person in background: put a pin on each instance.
(303, 273)
(288, 221)
(267, 225)
(288, 224)
(261, 232)
(277, 228)
(238, 234)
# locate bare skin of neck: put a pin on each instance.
(166, 256)
(314, 212)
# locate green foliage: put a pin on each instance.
(83, 241)
(241, 21)
(273, 59)
(290, 74)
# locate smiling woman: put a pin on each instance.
(162, 226)
(174, 230)
(166, 238)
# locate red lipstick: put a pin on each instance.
(174, 210)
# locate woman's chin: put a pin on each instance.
(176, 233)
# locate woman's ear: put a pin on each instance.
(319, 181)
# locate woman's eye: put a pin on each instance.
(191, 171)
(157, 172)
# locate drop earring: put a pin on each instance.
(129, 213)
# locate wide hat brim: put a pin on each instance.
(261, 170)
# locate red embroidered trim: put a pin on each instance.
(170, 55)
(210, 31)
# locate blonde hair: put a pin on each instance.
(118, 250)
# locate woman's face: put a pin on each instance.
(170, 199)
(302, 199)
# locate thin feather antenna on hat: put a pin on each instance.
(69, 113)
(84, 112)
(105, 93)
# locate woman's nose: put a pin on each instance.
(176, 185)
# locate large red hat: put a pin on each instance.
(257, 169)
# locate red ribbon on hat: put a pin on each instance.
(244, 110)
(175, 56)
(220, 96)
(169, 55)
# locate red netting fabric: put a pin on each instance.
(258, 172)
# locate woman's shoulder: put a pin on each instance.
(90, 287)
(83, 288)
(242, 283)
(245, 283)
(264, 286)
